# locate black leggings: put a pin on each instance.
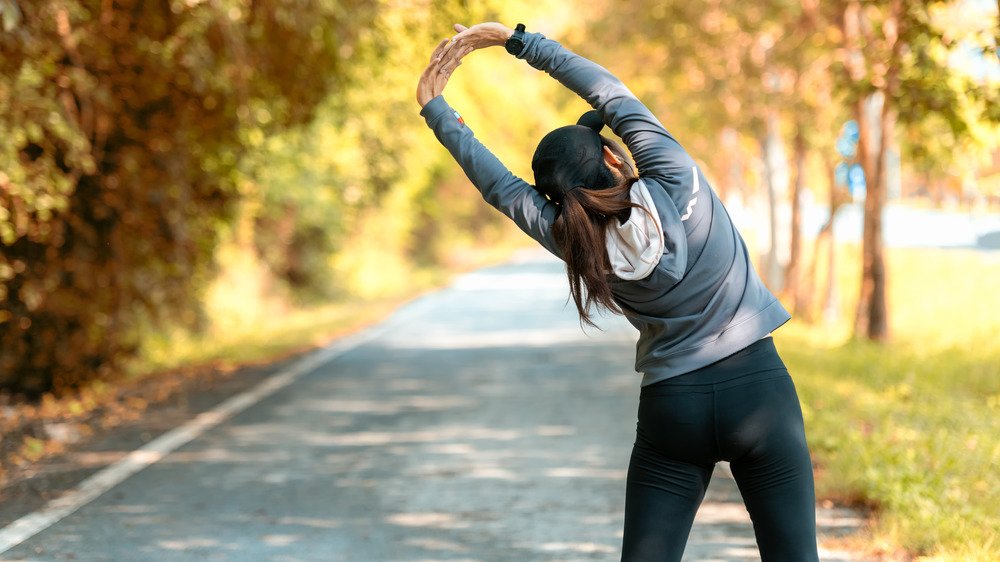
(742, 409)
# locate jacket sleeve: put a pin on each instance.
(655, 150)
(509, 194)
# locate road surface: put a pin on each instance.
(479, 423)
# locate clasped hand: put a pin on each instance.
(449, 54)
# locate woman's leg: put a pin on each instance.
(762, 434)
(662, 496)
(671, 465)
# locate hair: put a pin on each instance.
(580, 229)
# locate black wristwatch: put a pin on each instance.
(515, 43)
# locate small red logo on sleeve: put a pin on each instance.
(459, 117)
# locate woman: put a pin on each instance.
(655, 244)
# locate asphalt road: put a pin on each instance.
(479, 423)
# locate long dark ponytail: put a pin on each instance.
(580, 230)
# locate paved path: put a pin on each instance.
(480, 424)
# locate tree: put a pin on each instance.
(895, 66)
(121, 127)
(804, 55)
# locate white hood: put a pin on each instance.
(635, 247)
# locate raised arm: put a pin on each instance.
(655, 150)
(511, 195)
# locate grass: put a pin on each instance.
(251, 322)
(261, 341)
(912, 427)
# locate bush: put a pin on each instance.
(120, 160)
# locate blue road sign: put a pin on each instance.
(847, 142)
(851, 130)
(846, 147)
(840, 174)
(856, 180)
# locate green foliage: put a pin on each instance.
(950, 116)
(362, 199)
(130, 131)
(912, 428)
(121, 129)
(338, 199)
(717, 73)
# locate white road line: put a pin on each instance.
(109, 477)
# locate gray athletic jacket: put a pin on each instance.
(703, 301)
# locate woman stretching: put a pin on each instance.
(654, 243)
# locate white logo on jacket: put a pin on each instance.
(691, 203)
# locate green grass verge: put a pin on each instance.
(249, 324)
(291, 331)
(912, 427)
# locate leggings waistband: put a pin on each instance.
(757, 361)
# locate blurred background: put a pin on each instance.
(190, 182)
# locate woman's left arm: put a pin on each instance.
(509, 194)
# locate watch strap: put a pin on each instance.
(515, 43)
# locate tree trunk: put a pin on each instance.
(872, 319)
(831, 298)
(792, 284)
(829, 304)
(770, 153)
